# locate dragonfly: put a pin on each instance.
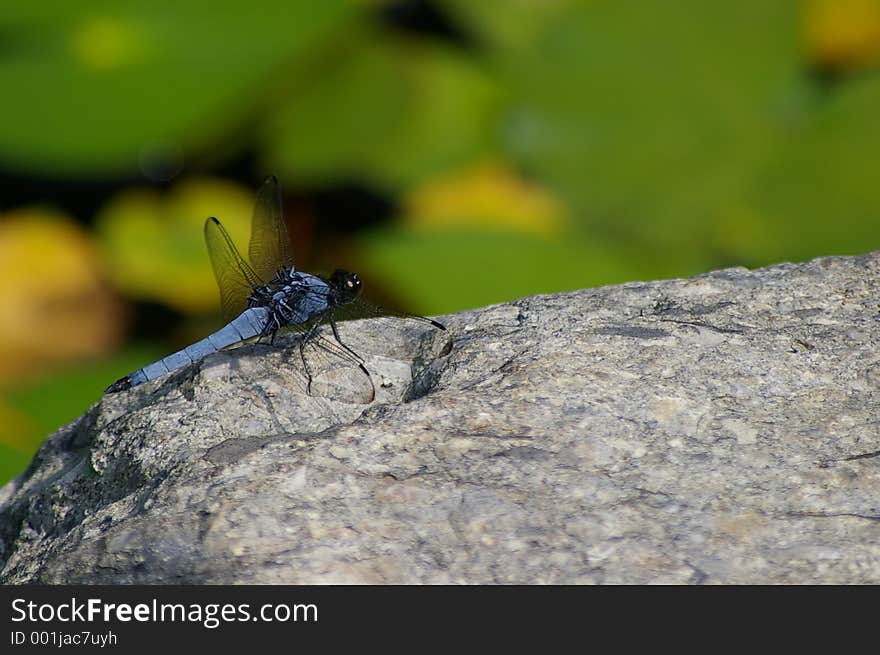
(270, 295)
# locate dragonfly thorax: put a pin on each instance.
(293, 299)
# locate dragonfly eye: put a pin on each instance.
(348, 284)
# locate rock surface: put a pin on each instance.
(722, 429)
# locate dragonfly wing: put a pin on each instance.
(360, 308)
(337, 372)
(330, 370)
(414, 330)
(269, 249)
(235, 278)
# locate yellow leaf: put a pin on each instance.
(842, 35)
(488, 195)
(55, 304)
(154, 245)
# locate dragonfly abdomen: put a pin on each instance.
(247, 325)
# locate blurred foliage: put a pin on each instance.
(96, 84)
(55, 305)
(510, 146)
(401, 109)
(842, 35)
(488, 194)
(56, 308)
(154, 246)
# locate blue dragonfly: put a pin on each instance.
(270, 295)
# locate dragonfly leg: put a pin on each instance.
(268, 331)
(358, 358)
(336, 336)
(313, 330)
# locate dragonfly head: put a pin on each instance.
(345, 285)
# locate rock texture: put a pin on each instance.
(722, 429)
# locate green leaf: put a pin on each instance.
(388, 110)
(91, 90)
(437, 272)
(12, 463)
(820, 189)
(690, 126)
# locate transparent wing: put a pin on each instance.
(235, 278)
(360, 308)
(330, 369)
(334, 367)
(269, 249)
(338, 372)
(389, 321)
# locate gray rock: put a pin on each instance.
(722, 429)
